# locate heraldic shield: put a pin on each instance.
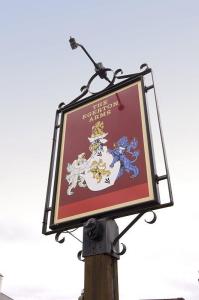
(100, 175)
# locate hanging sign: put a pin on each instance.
(104, 162)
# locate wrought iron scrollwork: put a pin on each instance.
(86, 88)
(61, 104)
(144, 70)
(62, 240)
(122, 252)
(144, 66)
(116, 240)
(101, 71)
(57, 238)
(153, 220)
(79, 256)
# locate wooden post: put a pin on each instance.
(101, 279)
(100, 274)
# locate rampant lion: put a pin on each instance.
(122, 148)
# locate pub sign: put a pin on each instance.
(104, 165)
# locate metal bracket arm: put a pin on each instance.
(116, 240)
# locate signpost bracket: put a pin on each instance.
(62, 240)
(86, 88)
(122, 233)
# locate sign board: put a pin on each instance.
(104, 164)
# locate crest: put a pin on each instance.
(104, 166)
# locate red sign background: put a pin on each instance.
(123, 116)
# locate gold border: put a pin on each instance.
(147, 159)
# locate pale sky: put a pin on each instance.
(38, 70)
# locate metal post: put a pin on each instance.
(101, 274)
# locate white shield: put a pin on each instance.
(99, 175)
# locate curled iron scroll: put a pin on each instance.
(61, 105)
(135, 220)
(123, 251)
(152, 221)
(79, 256)
(111, 82)
(57, 238)
(85, 89)
(144, 66)
(61, 241)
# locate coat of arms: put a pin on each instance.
(104, 166)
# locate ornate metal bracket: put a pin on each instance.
(116, 240)
(86, 88)
(102, 72)
(62, 240)
(101, 237)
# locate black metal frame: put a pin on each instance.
(138, 209)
